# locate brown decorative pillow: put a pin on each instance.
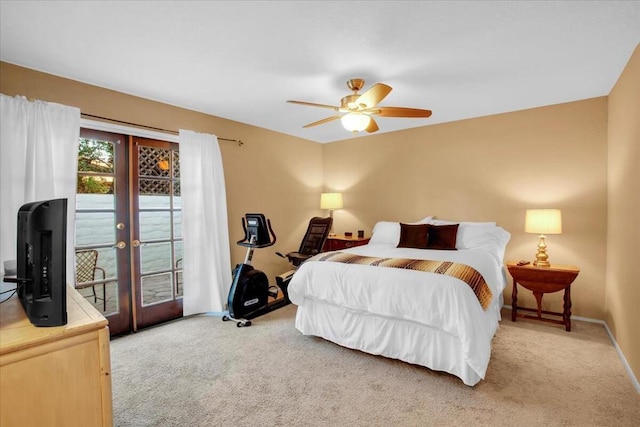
(442, 236)
(413, 236)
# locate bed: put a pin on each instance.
(366, 298)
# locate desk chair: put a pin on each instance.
(312, 243)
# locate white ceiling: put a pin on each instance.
(242, 60)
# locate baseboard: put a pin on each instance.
(632, 377)
(214, 313)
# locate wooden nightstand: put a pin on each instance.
(337, 243)
(543, 280)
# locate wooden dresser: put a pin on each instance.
(55, 376)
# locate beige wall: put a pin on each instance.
(261, 176)
(623, 269)
(491, 169)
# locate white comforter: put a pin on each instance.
(433, 300)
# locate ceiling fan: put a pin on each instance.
(357, 109)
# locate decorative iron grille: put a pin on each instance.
(154, 162)
(176, 164)
(154, 187)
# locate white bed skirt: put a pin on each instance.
(378, 335)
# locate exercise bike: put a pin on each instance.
(250, 290)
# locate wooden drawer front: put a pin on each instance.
(340, 243)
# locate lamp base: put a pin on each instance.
(541, 263)
(542, 259)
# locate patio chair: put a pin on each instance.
(86, 268)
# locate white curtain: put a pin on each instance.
(207, 261)
(38, 161)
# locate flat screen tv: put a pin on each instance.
(41, 261)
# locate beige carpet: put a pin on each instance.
(200, 371)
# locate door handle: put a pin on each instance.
(120, 245)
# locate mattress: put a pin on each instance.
(429, 319)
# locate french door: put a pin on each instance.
(128, 229)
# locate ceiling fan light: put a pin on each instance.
(355, 122)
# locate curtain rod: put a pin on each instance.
(240, 143)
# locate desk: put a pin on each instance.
(542, 280)
(55, 376)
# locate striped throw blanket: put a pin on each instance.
(467, 274)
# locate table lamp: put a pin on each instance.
(543, 222)
(331, 201)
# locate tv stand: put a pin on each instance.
(57, 375)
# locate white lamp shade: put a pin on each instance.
(331, 201)
(355, 122)
(543, 221)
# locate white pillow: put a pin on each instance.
(492, 239)
(426, 220)
(444, 222)
(486, 236)
(386, 232)
(471, 235)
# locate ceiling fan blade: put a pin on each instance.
(323, 121)
(313, 104)
(399, 112)
(374, 95)
(373, 126)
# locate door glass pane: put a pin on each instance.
(157, 288)
(96, 273)
(154, 161)
(96, 167)
(155, 257)
(95, 295)
(107, 261)
(155, 225)
(177, 198)
(112, 302)
(95, 156)
(94, 185)
(95, 228)
(154, 193)
(95, 201)
(177, 224)
(176, 164)
(177, 245)
(158, 172)
(179, 287)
